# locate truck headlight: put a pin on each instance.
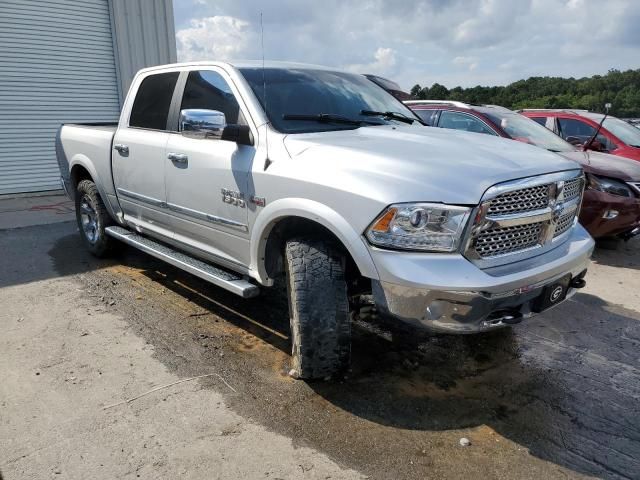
(429, 227)
(608, 185)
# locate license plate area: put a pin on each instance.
(552, 294)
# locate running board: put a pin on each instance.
(232, 282)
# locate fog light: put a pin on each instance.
(610, 214)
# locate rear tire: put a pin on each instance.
(318, 309)
(92, 217)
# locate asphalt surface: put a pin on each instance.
(555, 397)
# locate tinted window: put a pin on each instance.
(303, 91)
(153, 100)
(208, 90)
(463, 121)
(541, 120)
(428, 116)
(570, 127)
(578, 132)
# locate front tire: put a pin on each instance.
(318, 309)
(93, 218)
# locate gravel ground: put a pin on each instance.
(556, 397)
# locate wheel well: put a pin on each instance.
(79, 173)
(291, 227)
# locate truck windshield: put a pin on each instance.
(521, 128)
(296, 96)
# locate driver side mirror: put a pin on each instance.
(212, 124)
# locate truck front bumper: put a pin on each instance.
(448, 293)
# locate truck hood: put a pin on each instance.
(606, 165)
(415, 163)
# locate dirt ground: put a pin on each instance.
(556, 397)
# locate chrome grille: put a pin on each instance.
(564, 223)
(635, 186)
(572, 189)
(501, 241)
(520, 201)
(524, 215)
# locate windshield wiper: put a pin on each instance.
(327, 118)
(401, 117)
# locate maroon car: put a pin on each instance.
(611, 205)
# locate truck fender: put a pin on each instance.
(85, 162)
(316, 212)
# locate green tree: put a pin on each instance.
(621, 88)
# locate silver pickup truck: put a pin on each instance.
(245, 174)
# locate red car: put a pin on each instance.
(611, 205)
(578, 126)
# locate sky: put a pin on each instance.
(452, 42)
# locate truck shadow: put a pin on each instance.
(564, 385)
(625, 255)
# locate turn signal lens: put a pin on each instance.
(384, 222)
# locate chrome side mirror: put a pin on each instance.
(202, 123)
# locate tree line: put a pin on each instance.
(621, 89)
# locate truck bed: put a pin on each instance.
(87, 144)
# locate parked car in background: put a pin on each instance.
(333, 190)
(390, 86)
(578, 126)
(611, 205)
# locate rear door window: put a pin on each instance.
(428, 116)
(541, 120)
(153, 101)
(463, 121)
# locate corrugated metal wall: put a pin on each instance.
(57, 65)
(144, 36)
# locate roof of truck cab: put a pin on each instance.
(241, 64)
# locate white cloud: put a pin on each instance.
(470, 63)
(219, 37)
(453, 42)
(384, 63)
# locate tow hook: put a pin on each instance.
(503, 317)
(578, 281)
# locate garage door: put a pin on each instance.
(56, 66)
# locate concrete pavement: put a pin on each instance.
(65, 357)
(23, 211)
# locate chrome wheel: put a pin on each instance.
(89, 220)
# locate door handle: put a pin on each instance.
(122, 149)
(178, 157)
